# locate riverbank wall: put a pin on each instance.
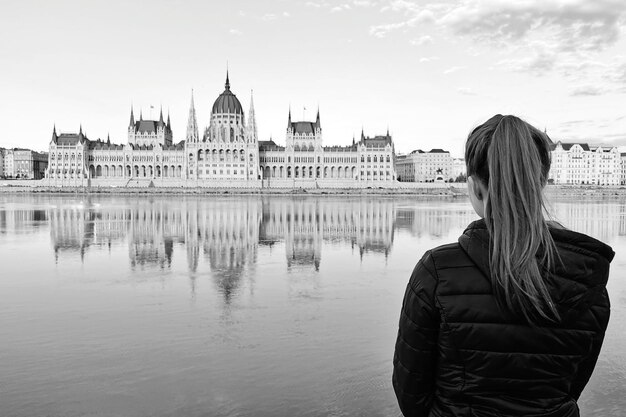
(188, 187)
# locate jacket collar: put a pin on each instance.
(475, 240)
(583, 260)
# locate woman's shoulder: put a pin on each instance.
(449, 255)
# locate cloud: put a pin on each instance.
(538, 64)
(537, 37)
(235, 32)
(588, 90)
(363, 3)
(453, 69)
(429, 58)
(607, 131)
(466, 91)
(421, 16)
(336, 9)
(573, 25)
(422, 40)
(269, 16)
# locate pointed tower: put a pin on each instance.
(289, 119)
(192, 124)
(227, 85)
(161, 123)
(131, 126)
(252, 128)
(318, 125)
(54, 134)
(140, 115)
(169, 125)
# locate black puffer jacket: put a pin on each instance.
(457, 354)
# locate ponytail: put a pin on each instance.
(512, 158)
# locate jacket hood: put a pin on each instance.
(581, 267)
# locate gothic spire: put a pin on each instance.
(289, 120)
(252, 129)
(169, 125)
(132, 116)
(317, 119)
(227, 81)
(54, 133)
(161, 116)
(192, 124)
(140, 115)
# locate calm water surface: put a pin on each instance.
(234, 306)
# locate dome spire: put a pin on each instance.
(227, 80)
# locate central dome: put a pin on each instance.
(227, 102)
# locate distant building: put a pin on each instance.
(228, 154)
(9, 172)
(420, 166)
(459, 169)
(579, 163)
(23, 163)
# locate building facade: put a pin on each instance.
(22, 163)
(305, 161)
(8, 167)
(420, 166)
(579, 163)
(228, 154)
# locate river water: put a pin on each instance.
(234, 306)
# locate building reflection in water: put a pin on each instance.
(220, 237)
(600, 219)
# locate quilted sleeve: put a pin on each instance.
(601, 312)
(414, 361)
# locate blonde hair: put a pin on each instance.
(512, 158)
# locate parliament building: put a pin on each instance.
(227, 154)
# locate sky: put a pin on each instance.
(429, 71)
